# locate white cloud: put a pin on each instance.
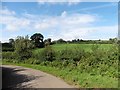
(76, 19)
(7, 12)
(11, 21)
(75, 33)
(64, 14)
(66, 26)
(99, 32)
(14, 23)
(42, 26)
(100, 6)
(69, 2)
(66, 21)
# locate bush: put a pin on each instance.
(45, 63)
(78, 54)
(56, 63)
(48, 54)
(7, 47)
(4, 49)
(23, 55)
(65, 54)
(10, 61)
(23, 48)
(100, 62)
(8, 55)
(70, 54)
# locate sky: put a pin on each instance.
(55, 20)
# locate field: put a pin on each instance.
(86, 47)
(82, 65)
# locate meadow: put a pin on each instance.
(82, 65)
(86, 47)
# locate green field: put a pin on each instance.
(86, 47)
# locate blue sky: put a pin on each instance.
(67, 20)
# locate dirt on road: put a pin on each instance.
(21, 77)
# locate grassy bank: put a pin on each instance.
(74, 77)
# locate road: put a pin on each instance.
(21, 77)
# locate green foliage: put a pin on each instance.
(56, 63)
(101, 62)
(23, 48)
(80, 41)
(7, 47)
(37, 56)
(8, 55)
(67, 54)
(6, 60)
(37, 39)
(76, 61)
(45, 63)
(96, 61)
(48, 54)
(32, 61)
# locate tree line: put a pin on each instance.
(37, 41)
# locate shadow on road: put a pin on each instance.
(11, 79)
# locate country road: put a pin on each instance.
(21, 77)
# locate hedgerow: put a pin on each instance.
(99, 61)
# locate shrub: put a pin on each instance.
(56, 63)
(10, 60)
(23, 48)
(7, 47)
(45, 63)
(48, 54)
(8, 55)
(100, 61)
(75, 54)
(78, 54)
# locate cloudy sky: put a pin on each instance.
(67, 20)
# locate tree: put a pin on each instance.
(23, 48)
(37, 39)
(73, 41)
(47, 42)
(113, 40)
(78, 40)
(61, 41)
(11, 41)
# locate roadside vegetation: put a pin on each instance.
(83, 65)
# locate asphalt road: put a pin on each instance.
(21, 77)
